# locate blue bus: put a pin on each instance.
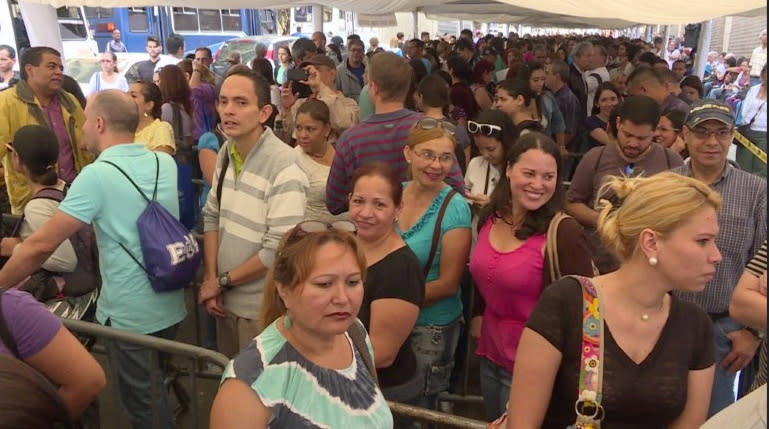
(200, 27)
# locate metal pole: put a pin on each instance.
(317, 18)
(415, 28)
(703, 47)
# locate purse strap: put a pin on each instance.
(437, 231)
(590, 387)
(551, 245)
(357, 334)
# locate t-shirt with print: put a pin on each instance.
(420, 237)
(29, 323)
(646, 395)
(102, 196)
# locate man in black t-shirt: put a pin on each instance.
(145, 69)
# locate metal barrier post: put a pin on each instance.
(430, 416)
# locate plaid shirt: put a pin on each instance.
(742, 231)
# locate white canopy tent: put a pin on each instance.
(599, 13)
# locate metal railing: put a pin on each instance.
(197, 355)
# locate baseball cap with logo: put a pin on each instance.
(706, 110)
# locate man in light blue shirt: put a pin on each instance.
(102, 196)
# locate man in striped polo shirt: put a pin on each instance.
(382, 136)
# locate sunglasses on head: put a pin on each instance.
(431, 124)
(485, 129)
(302, 229)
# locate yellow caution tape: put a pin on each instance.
(755, 150)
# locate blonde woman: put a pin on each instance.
(658, 351)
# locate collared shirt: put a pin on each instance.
(55, 118)
(742, 231)
(757, 61)
(237, 160)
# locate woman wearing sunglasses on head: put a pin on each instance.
(493, 133)
(309, 367)
(435, 223)
(395, 284)
(509, 263)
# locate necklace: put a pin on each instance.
(645, 316)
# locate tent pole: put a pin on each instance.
(317, 18)
(415, 28)
(703, 47)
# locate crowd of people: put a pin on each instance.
(578, 189)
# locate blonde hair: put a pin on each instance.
(294, 263)
(662, 202)
(418, 135)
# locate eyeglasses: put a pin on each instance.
(302, 229)
(722, 135)
(9, 148)
(432, 123)
(486, 129)
(430, 156)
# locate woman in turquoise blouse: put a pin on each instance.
(429, 152)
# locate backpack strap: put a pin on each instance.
(590, 386)
(154, 197)
(357, 334)
(222, 173)
(157, 175)
(5, 334)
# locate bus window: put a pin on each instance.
(137, 20)
(71, 23)
(185, 19)
(98, 12)
(231, 20)
(210, 20)
(328, 14)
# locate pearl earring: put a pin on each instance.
(653, 261)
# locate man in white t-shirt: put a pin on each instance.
(597, 74)
(757, 60)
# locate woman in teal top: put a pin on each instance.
(429, 152)
(305, 370)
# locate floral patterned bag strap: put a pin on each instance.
(588, 406)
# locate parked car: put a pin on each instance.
(246, 47)
(82, 68)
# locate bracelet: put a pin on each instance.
(756, 333)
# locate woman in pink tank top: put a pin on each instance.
(508, 264)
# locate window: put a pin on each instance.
(71, 23)
(231, 20)
(210, 20)
(185, 19)
(98, 12)
(138, 22)
(341, 14)
(328, 14)
(193, 20)
(303, 14)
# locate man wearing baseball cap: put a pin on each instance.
(321, 78)
(708, 133)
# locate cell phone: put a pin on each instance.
(297, 75)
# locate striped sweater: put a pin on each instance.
(257, 208)
(379, 138)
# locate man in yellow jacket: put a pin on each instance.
(39, 99)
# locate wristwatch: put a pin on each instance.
(756, 333)
(224, 281)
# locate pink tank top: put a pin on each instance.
(510, 284)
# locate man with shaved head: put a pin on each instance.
(101, 195)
